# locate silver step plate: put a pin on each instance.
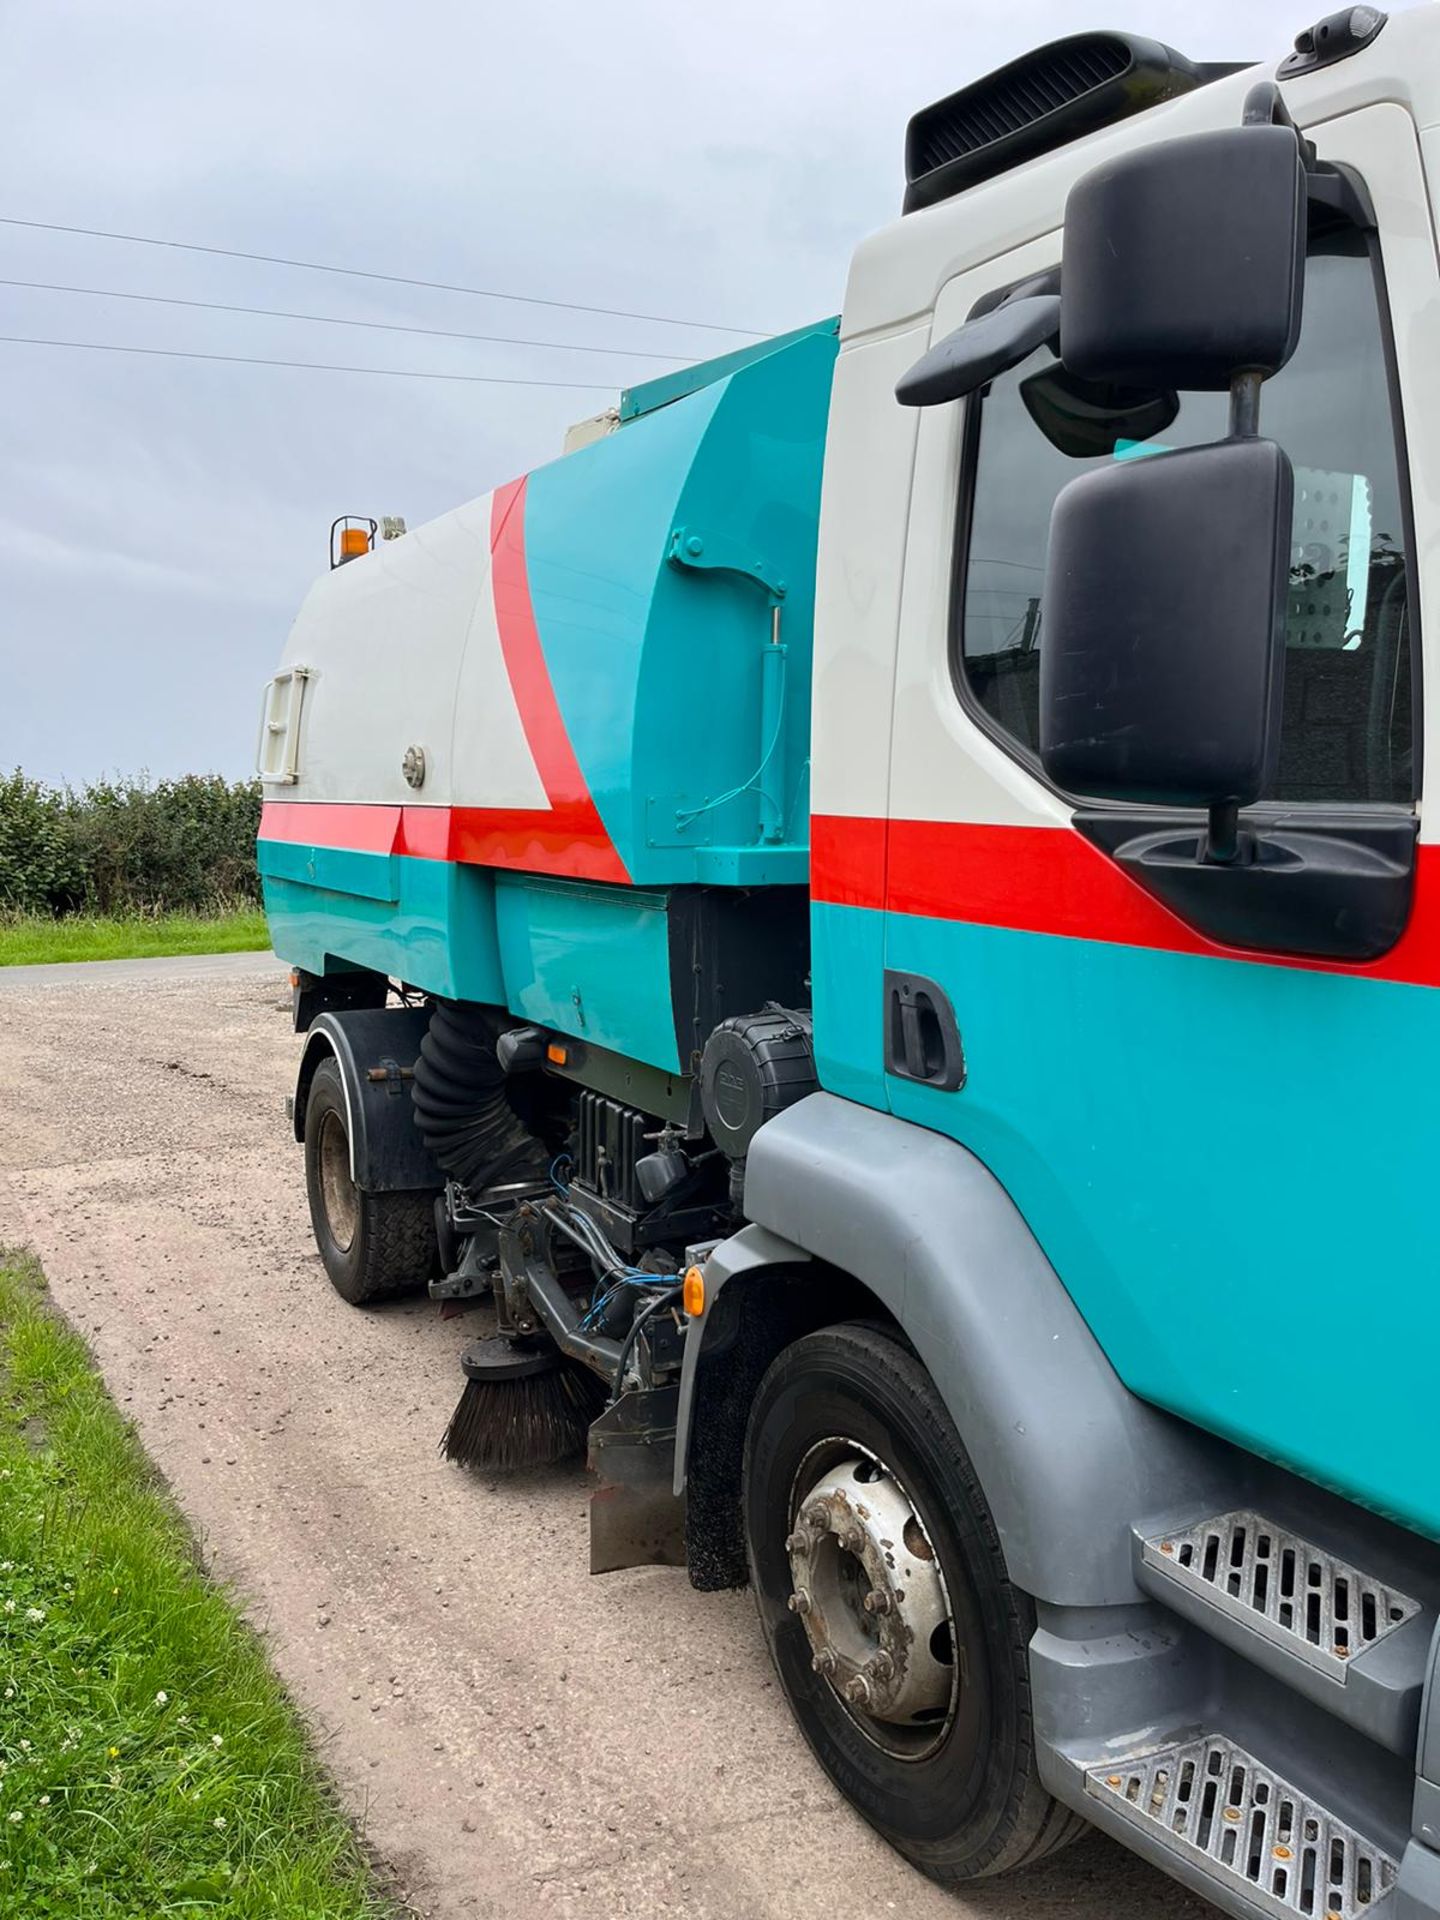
(1282, 1587)
(1246, 1829)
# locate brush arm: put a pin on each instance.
(561, 1319)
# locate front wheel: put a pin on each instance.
(897, 1636)
(374, 1245)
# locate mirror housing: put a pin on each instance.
(1087, 419)
(1184, 262)
(976, 352)
(1163, 656)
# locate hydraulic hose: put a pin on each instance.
(461, 1106)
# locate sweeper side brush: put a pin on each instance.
(523, 1406)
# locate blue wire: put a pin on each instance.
(632, 1277)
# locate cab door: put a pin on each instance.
(1227, 1156)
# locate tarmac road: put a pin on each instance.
(517, 1739)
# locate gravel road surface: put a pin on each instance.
(516, 1738)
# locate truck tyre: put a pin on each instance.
(882, 1590)
(374, 1245)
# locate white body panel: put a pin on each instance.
(420, 612)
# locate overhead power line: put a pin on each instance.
(340, 320)
(308, 366)
(364, 273)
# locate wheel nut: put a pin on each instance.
(797, 1543)
(882, 1667)
(877, 1601)
(853, 1541)
(857, 1691)
(824, 1662)
(799, 1601)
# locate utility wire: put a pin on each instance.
(362, 273)
(308, 366)
(339, 320)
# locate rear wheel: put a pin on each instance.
(897, 1636)
(374, 1245)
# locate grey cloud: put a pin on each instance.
(160, 520)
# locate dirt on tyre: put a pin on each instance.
(374, 1245)
(899, 1640)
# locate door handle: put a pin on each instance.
(922, 1038)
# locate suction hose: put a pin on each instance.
(461, 1107)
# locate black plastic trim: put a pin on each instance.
(1317, 883)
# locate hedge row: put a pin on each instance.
(128, 846)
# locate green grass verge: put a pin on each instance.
(150, 1763)
(33, 939)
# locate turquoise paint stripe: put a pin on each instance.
(593, 962)
(427, 922)
(669, 387)
(657, 668)
(1230, 1167)
(847, 958)
(368, 876)
(590, 961)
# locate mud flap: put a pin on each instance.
(636, 1518)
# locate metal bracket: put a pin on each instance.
(722, 554)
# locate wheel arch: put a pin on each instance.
(387, 1154)
(762, 1294)
(856, 1209)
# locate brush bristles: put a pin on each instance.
(502, 1425)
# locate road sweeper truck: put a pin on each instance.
(876, 915)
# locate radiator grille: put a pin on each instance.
(1242, 1825)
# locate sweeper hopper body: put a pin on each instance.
(528, 734)
(953, 1130)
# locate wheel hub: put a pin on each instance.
(869, 1593)
(337, 1189)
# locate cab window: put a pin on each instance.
(1347, 729)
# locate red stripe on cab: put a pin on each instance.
(1050, 880)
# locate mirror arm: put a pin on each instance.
(1265, 107)
(1222, 835)
(1245, 406)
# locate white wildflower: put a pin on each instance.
(16, 1817)
(44, 1799)
(162, 1698)
(34, 1615)
(219, 1823)
(24, 1746)
(9, 1693)
(9, 1606)
(216, 1741)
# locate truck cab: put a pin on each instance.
(1022, 1273)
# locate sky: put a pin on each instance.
(161, 518)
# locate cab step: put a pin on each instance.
(1312, 1604)
(1262, 1844)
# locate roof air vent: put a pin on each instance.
(1040, 101)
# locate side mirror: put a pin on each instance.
(1165, 593)
(1087, 419)
(1184, 262)
(976, 352)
